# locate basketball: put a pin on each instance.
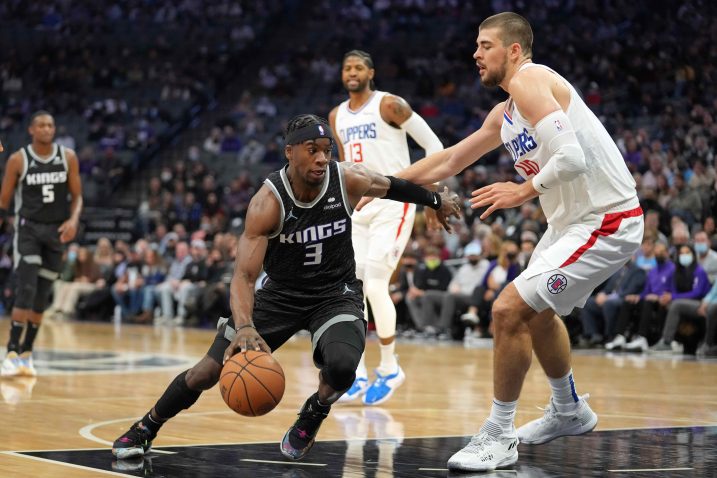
(252, 383)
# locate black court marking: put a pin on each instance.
(665, 452)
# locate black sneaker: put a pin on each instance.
(301, 436)
(135, 442)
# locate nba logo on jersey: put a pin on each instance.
(558, 125)
(557, 283)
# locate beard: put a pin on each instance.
(495, 78)
(360, 86)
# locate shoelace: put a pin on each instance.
(478, 442)
(550, 410)
(139, 435)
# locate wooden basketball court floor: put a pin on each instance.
(658, 415)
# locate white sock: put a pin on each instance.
(388, 364)
(501, 418)
(361, 371)
(565, 397)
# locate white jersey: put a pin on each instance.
(367, 139)
(607, 184)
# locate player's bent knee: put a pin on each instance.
(204, 375)
(505, 315)
(26, 277)
(42, 294)
(340, 372)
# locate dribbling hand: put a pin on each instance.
(246, 338)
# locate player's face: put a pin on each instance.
(42, 129)
(491, 57)
(309, 160)
(355, 74)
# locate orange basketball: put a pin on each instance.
(252, 383)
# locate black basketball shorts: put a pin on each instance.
(279, 314)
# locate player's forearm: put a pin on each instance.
(241, 301)
(76, 208)
(428, 170)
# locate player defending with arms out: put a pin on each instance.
(595, 224)
(371, 127)
(45, 178)
(298, 227)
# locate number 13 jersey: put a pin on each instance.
(367, 139)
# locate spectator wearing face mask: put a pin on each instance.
(659, 281)
(683, 304)
(430, 281)
(501, 271)
(706, 256)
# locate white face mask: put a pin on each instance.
(686, 260)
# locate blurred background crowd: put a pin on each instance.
(176, 109)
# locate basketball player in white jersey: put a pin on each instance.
(595, 224)
(372, 126)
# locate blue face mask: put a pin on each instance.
(646, 264)
(701, 248)
(686, 259)
(71, 256)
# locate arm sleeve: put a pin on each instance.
(405, 191)
(419, 130)
(567, 160)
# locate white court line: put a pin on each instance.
(54, 462)
(635, 470)
(293, 463)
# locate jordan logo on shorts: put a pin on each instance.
(347, 290)
(557, 283)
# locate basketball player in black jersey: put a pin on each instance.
(298, 226)
(45, 179)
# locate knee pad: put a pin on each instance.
(43, 290)
(26, 279)
(341, 348)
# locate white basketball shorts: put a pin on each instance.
(380, 232)
(568, 265)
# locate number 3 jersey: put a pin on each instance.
(42, 191)
(312, 250)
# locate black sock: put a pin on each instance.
(30, 334)
(315, 402)
(176, 398)
(151, 424)
(16, 329)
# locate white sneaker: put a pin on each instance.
(485, 452)
(26, 367)
(358, 388)
(554, 424)
(639, 343)
(677, 347)
(618, 342)
(11, 365)
(382, 388)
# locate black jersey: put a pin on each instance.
(312, 250)
(42, 192)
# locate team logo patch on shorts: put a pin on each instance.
(557, 283)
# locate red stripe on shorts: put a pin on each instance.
(403, 219)
(610, 224)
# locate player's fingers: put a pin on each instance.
(483, 190)
(488, 212)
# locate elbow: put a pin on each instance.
(572, 163)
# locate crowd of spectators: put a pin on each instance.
(660, 112)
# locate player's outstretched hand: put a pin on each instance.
(247, 338)
(432, 222)
(450, 207)
(499, 196)
(67, 230)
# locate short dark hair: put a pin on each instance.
(299, 121)
(366, 58)
(514, 29)
(38, 113)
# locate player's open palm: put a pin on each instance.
(497, 196)
(246, 338)
(450, 207)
